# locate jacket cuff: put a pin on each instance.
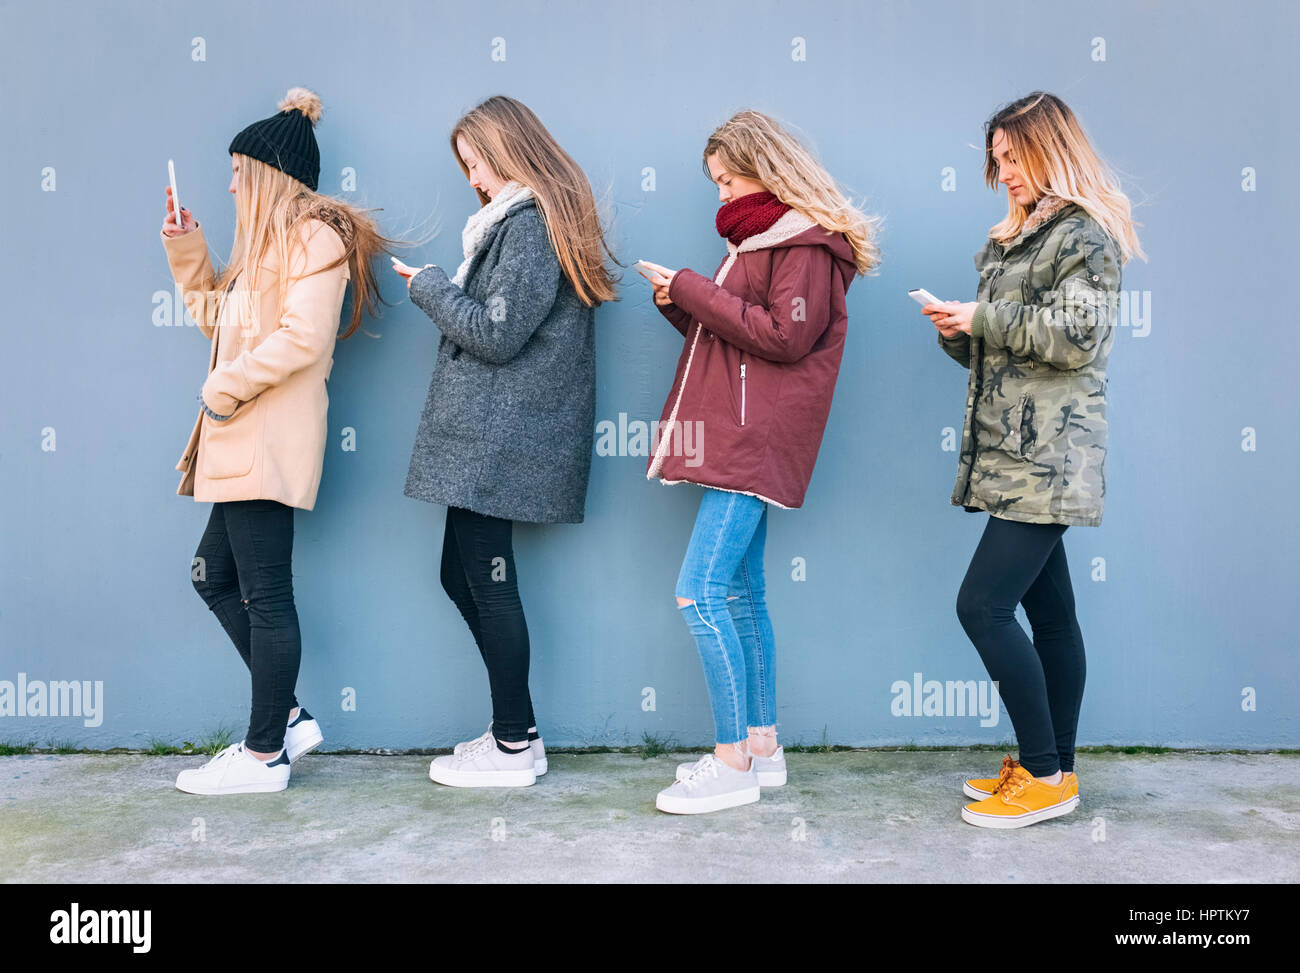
(184, 240)
(979, 321)
(685, 290)
(426, 287)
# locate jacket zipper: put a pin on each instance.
(742, 393)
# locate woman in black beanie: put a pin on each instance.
(258, 443)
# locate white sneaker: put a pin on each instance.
(233, 771)
(539, 751)
(710, 785)
(482, 764)
(302, 735)
(769, 770)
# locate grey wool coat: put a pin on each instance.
(508, 425)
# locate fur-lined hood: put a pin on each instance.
(1047, 209)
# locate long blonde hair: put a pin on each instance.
(271, 214)
(1052, 150)
(754, 146)
(515, 145)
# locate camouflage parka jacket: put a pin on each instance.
(1033, 446)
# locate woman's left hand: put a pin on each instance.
(951, 316)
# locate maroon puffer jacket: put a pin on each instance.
(754, 382)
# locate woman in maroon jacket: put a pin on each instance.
(745, 418)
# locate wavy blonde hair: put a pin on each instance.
(754, 146)
(513, 142)
(1052, 150)
(272, 210)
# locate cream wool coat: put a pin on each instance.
(267, 374)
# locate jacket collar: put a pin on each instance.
(790, 225)
(1048, 208)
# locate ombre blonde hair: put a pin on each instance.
(515, 145)
(272, 210)
(752, 145)
(1054, 155)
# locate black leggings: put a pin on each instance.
(243, 571)
(478, 572)
(1041, 682)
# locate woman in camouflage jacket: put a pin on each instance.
(1036, 342)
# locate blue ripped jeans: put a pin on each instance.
(722, 574)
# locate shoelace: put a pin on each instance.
(470, 744)
(1008, 782)
(705, 766)
(476, 748)
(221, 756)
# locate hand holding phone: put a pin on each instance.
(923, 297)
(655, 273)
(177, 221)
(407, 272)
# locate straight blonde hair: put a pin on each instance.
(754, 146)
(1052, 150)
(515, 145)
(272, 211)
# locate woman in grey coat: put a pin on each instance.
(507, 428)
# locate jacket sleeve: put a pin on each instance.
(187, 255)
(797, 314)
(678, 318)
(957, 347)
(521, 291)
(309, 323)
(1067, 332)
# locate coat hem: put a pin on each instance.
(714, 486)
(974, 505)
(481, 509)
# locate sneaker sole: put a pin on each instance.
(766, 778)
(695, 805)
(302, 750)
(269, 788)
(539, 766)
(1002, 822)
(482, 778)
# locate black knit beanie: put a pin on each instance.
(286, 140)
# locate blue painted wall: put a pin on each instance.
(1197, 605)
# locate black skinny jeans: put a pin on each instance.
(246, 578)
(1041, 682)
(478, 572)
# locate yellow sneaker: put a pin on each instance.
(982, 787)
(1021, 799)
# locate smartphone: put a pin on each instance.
(920, 295)
(650, 270)
(176, 200)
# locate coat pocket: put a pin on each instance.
(1019, 427)
(227, 448)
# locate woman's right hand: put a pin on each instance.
(170, 227)
(938, 315)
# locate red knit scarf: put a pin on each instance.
(747, 215)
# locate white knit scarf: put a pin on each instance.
(480, 224)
